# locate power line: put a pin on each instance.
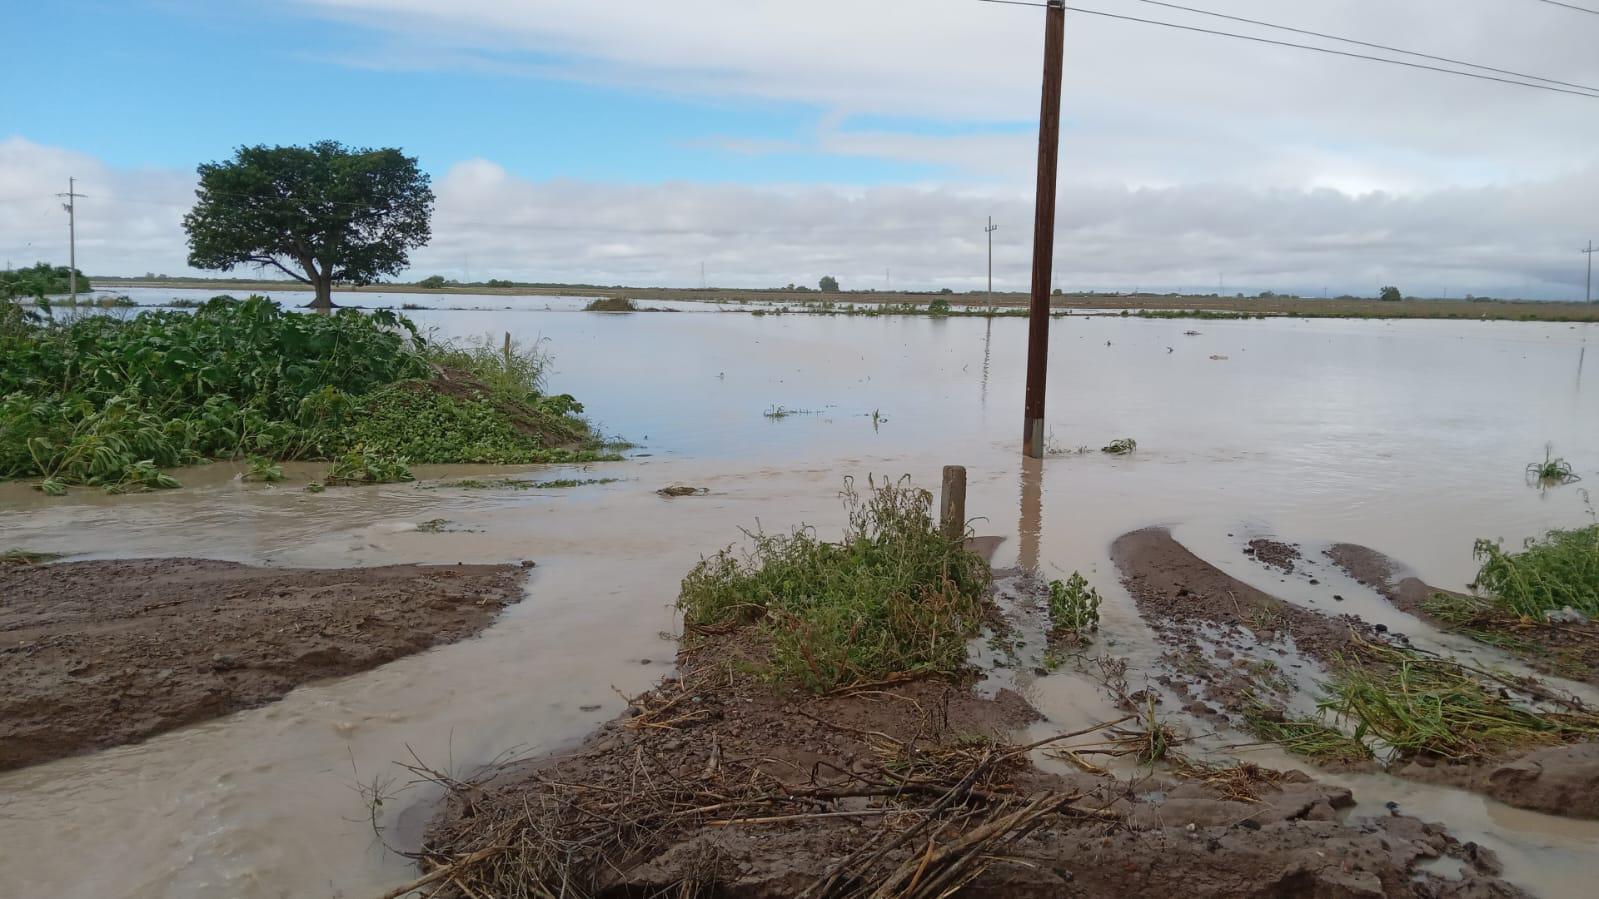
(1589, 10)
(1310, 47)
(1367, 44)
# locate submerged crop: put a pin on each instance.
(108, 400)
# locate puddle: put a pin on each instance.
(1407, 436)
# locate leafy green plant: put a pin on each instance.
(1120, 447)
(1073, 607)
(140, 477)
(363, 467)
(1303, 736)
(1554, 572)
(892, 596)
(19, 557)
(264, 470)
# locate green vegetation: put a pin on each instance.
(321, 214)
(828, 284)
(433, 282)
(1390, 295)
(778, 413)
(263, 470)
(366, 467)
(39, 281)
(894, 596)
(1424, 705)
(1558, 571)
(1206, 314)
(611, 304)
(1073, 607)
(25, 557)
(109, 402)
(518, 484)
(1303, 736)
(1120, 447)
(1552, 471)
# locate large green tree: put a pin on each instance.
(320, 214)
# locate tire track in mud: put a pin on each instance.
(1222, 633)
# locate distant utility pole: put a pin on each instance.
(1589, 251)
(991, 229)
(71, 207)
(1044, 230)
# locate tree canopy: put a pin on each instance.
(321, 214)
(39, 280)
(1390, 295)
(828, 284)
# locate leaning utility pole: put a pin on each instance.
(1044, 229)
(1589, 251)
(991, 229)
(72, 235)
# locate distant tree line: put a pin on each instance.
(38, 281)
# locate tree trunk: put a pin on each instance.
(324, 294)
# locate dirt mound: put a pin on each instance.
(1566, 649)
(1275, 554)
(96, 654)
(716, 784)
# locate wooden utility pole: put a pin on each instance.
(991, 229)
(71, 206)
(1044, 229)
(952, 503)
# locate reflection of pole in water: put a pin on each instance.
(1580, 356)
(988, 346)
(1031, 526)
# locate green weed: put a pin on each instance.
(362, 467)
(1303, 736)
(264, 470)
(1120, 447)
(1557, 571)
(19, 557)
(1073, 607)
(1423, 705)
(1552, 471)
(892, 596)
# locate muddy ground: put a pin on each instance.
(97, 654)
(1234, 649)
(1565, 649)
(717, 783)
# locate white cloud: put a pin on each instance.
(1515, 238)
(1143, 105)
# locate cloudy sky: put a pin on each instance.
(630, 141)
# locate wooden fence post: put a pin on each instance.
(952, 503)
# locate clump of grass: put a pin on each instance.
(20, 557)
(1557, 571)
(1552, 471)
(611, 304)
(893, 596)
(682, 490)
(1423, 705)
(778, 413)
(1303, 736)
(1120, 447)
(1073, 607)
(364, 467)
(264, 470)
(433, 526)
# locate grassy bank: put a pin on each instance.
(111, 401)
(893, 597)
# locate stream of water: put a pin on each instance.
(1409, 437)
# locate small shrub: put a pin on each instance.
(1073, 607)
(611, 304)
(1120, 447)
(1558, 571)
(1552, 471)
(893, 596)
(264, 470)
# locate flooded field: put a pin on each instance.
(1410, 437)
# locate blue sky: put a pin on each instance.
(168, 84)
(626, 141)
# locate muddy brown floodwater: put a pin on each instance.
(97, 654)
(1408, 436)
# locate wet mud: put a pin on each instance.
(717, 783)
(1233, 648)
(102, 653)
(1565, 649)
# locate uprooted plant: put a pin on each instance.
(893, 596)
